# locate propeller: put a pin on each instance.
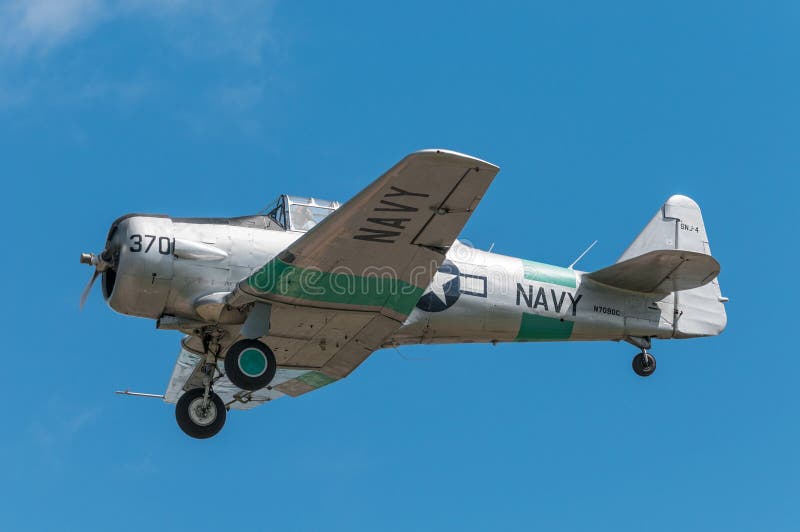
(85, 294)
(101, 263)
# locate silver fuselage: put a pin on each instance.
(166, 265)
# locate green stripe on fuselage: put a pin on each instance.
(545, 273)
(535, 327)
(282, 279)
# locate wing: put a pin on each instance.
(340, 290)
(380, 249)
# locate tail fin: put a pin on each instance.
(672, 255)
(677, 225)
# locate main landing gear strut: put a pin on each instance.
(644, 364)
(200, 412)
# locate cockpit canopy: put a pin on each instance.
(297, 213)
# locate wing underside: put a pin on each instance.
(288, 381)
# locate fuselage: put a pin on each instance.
(166, 265)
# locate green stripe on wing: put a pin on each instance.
(379, 290)
(315, 379)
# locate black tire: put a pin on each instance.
(187, 421)
(644, 366)
(250, 365)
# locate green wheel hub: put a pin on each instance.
(252, 362)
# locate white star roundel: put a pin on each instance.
(444, 290)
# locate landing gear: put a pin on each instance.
(200, 412)
(198, 415)
(644, 364)
(250, 365)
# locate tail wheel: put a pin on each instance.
(250, 365)
(644, 364)
(199, 418)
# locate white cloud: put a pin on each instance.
(42, 66)
(211, 27)
(39, 25)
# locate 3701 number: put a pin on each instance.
(143, 244)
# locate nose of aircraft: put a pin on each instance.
(104, 263)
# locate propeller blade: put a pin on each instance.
(85, 294)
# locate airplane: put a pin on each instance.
(293, 299)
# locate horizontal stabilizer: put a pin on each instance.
(661, 271)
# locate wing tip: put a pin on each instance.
(455, 154)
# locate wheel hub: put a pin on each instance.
(202, 415)
(252, 362)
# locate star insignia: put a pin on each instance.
(437, 286)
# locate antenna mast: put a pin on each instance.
(572, 266)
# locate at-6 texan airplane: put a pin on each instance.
(289, 301)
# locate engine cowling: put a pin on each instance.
(139, 284)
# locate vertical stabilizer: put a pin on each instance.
(678, 225)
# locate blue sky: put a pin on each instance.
(595, 112)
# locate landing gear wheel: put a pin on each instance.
(250, 365)
(644, 364)
(200, 421)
